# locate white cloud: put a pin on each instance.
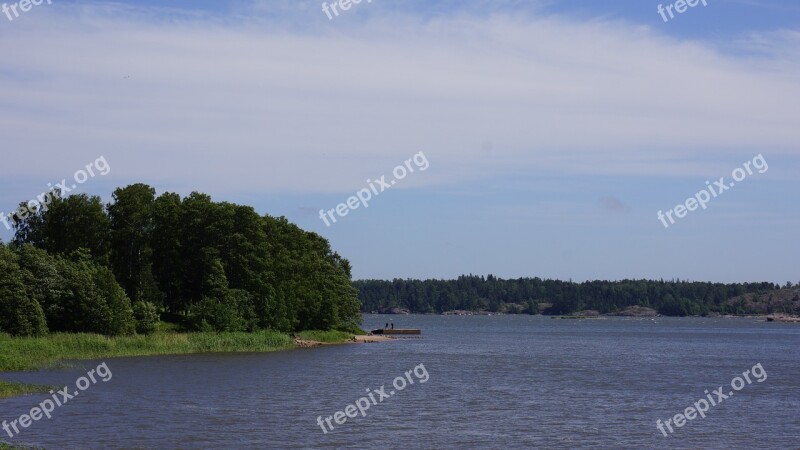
(227, 107)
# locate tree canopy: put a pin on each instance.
(79, 265)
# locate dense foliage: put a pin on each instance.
(60, 294)
(534, 295)
(79, 265)
(20, 312)
(146, 315)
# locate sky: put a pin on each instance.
(553, 132)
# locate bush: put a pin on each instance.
(330, 336)
(117, 305)
(20, 313)
(75, 293)
(42, 276)
(212, 315)
(146, 316)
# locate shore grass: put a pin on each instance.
(9, 389)
(6, 446)
(26, 353)
(328, 337)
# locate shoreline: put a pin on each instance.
(776, 317)
(356, 339)
(782, 318)
(52, 351)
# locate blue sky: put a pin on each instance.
(555, 130)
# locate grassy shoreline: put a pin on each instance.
(7, 446)
(27, 353)
(10, 389)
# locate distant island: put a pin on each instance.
(493, 295)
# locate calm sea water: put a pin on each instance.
(493, 382)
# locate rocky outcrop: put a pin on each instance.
(783, 318)
(636, 311)
(786, 300)
(461, 312)
(392, 310)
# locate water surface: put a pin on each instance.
(494, 382)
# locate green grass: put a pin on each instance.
(331, 337)
(5, 446)
(25, 353)
(166, 327)
(9, 389)
(55, 349)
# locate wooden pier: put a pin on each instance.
(397, 331)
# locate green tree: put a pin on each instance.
(167, 247)
(20, 313)
(146, 316)
(93, 301)
(46, 284)
(213, 265)
(131, 222)
(68, 224)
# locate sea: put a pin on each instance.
(468, 382)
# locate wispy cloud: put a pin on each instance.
(228, 106)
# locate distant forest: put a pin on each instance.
(79, 265)
(535, 295)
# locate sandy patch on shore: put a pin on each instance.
(370, 339)
(305, 343)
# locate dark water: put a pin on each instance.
(493, 382)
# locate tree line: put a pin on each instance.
(80, 265)
(536, 295)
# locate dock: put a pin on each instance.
(397, 331)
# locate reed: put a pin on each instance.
(27, 353)
(329, 337)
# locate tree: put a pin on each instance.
(131, 223)
(213, 265)
(68, 224)
(46, 283)
(93, 301)
(146, 316)
(166, 243)
(20, 313)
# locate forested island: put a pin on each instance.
(148, 275)
(77, 265)
(555, 297)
